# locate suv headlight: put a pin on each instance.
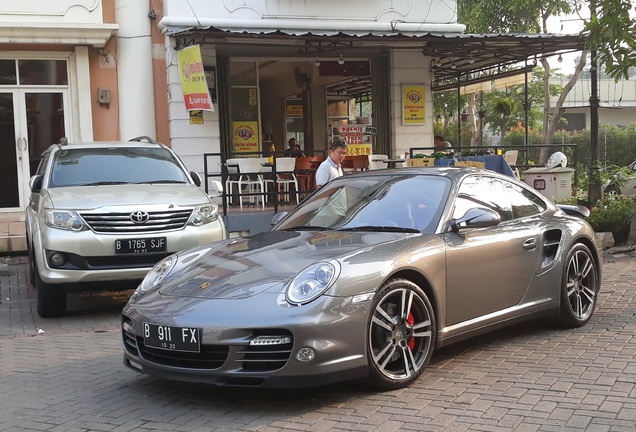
(310, 283)
(204, 214)
(65, 219)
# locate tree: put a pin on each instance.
(610, 33)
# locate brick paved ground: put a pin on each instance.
(528, 378)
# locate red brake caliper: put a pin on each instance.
(410, 320)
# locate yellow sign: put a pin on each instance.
(196, 117)
(359, 149)
(245, 136)
(294, 111)
(412, 104)
(193, 82)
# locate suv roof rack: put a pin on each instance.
(63, 141)
(142, 138)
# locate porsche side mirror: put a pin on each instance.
(277, 218)
(479, 217)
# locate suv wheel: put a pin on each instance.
(31, 263)
(51, 299)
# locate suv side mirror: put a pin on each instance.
(196, 178)
(35, 183)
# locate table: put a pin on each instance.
(390, 163)
(492, 162)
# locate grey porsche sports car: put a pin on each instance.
(364, 279)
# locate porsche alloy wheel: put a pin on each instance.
(579, 287)
(401, 334)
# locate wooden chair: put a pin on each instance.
(304, 172)
(347, 165)
(360, 163)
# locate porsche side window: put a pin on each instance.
(483, 191)
(524, 203)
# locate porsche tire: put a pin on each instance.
(401, 335)
(579, 287)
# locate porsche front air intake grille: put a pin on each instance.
(210, 356)
(137, 222)
(264, 358)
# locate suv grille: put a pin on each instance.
(122, 222)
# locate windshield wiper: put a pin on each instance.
(161, 181)
(306, 228)
(105, 183)
(381, 228)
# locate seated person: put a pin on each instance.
(294, 149)
(441, 145)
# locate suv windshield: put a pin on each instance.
(114, 165)
(400, 203)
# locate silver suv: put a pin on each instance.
(102, 214)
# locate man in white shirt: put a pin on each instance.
(331, 167)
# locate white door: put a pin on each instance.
(30, 121)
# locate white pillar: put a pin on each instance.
(409, 66)
(134, 70)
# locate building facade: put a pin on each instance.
(361, 70)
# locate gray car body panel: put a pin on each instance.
(230, 289)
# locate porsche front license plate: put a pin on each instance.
(172, 338)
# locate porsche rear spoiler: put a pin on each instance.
(575, 210)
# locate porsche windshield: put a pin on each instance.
(408, 203)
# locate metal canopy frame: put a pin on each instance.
(452, 55)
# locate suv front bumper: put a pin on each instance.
(91, 257)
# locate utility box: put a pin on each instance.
(553, 183)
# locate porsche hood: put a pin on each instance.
(241, 268)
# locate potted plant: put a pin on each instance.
(612, 213)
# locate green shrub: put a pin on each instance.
(612, 213)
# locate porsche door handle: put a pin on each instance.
(530, 244)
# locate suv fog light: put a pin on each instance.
(57, 259)
(305, 354)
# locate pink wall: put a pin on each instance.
(103, 66)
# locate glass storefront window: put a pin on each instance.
(7, 72)
(243, 74)
(43, 72)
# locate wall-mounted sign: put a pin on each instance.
(193, 80)
(245, 136)
(196, 117)
(294, 108)
(412, 104)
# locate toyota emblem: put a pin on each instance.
(139, 217)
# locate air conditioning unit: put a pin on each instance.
(553, 183)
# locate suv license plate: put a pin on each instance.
(172, 338)
(140, 245)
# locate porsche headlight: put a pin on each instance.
(312, 282)
(156, 275)
(204, 214)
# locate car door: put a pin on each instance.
(629, 188)
(488, 269)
